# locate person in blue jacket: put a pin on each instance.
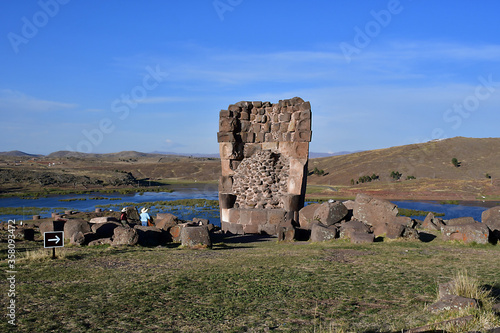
(145, 217)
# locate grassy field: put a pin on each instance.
(241, 285)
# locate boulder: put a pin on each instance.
(373, 211)
(476, 232)
(430, 223)
(101, 241)
(77, 238)
(349, 204)
(286, 234)
(394, 230)
(105, 230)
(149, 236)
(125, 236)
(452, 302)
(321, 233)
(491, 218)
(72, 226)
(165, 221)
(46, 226)
(362, 237)
(330, 213)
(200, 221)
(410, 233)
(196, 237)
(27, 234)
(306, 216)
(347, 228)
(461, 221)
(103, 219)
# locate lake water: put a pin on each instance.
(206, 191)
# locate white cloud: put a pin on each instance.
(12, 101)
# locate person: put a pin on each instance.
(145, 217)
(123, 217)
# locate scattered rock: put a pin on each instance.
(125, 236)
(105, 230)
(373, 211)
(321, 233)
(165, 221)
(329, 213)
(72, 226)
(101, 241)
(461, 221)
(306, 216)
(196, 237)
(476, 232)
(361, 237)
(103, 219)
(149, 236)
(286, 234)
(347, 228)
(452, 302)
(77, 238)
(491, 218)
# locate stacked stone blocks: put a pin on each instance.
(264, 150)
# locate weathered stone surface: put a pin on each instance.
(362, 238)
(429, 223)
(394, 230)
(306, 216)
(353, 226)
(452, 302)
(196, 237)
(445, 289)
(227, 200)
(286, 234)
(233, 228)
(461, 221)
(104, 230)
(73, 226)
(329, 213)
(491, 218)
(101, 241)
(175, 232)
(103, 219)
(349, 204)
(200, 221)
(268, 229)
(125, 236)
(77, 238)
(321, 233)
(166, 220)
(46, 226)
(149, 236)
(476, 232)
(373, 211)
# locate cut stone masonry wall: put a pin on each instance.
(264, 150)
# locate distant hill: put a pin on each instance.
(319, 155)
(18, 153)
(183, 154)
(477, 158)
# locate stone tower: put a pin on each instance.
(264, 150)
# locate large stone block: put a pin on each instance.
(226, 184)
(321, 233)
(234, 215)
(374, 211)
(258, 216)
(461, 221)
(277, 216)
(297, 150)
(329, 213)
(104, 230)
(468, 233)
(306, 216)
(225, 137)
(72, 226)
(125, 236)
(268, 229)
(226, 200)
(196, 237)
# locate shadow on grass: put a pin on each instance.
(241, 239)
(426, 237)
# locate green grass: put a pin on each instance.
(239, 287)
(414, 212)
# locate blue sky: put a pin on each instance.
(107, 76)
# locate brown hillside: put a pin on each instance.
(429, 162)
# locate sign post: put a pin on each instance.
(53, 239)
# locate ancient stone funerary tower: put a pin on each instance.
(264, 150)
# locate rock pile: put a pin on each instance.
(106, 230)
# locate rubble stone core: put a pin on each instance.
(264, 150)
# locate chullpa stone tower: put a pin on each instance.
(264, 150)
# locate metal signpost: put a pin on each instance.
(53, 239)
